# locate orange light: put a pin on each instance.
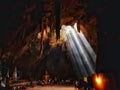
(39, 35)
(98, 80)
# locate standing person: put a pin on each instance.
(76, 85)
(81, 84)
(4, 70)
(85, 85)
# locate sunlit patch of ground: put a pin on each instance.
(51, 88)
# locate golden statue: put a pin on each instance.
(46, 77)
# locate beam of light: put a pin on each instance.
(81, 54)
(82, 51)
(89, 58)
(75, 55)
(74, 52)
(87, 46)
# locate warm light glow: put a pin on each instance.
(39, 35)
(44, 35)
(98, 80)
(48, 29)
(75, 26)
(85, 79)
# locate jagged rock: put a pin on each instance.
(35, 54)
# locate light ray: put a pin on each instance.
(80, 50)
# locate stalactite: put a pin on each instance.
(57, 13)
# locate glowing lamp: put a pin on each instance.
(98, 80)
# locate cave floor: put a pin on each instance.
(52, 88)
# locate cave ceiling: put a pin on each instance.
(27, 44)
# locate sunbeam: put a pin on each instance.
(83, 55)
